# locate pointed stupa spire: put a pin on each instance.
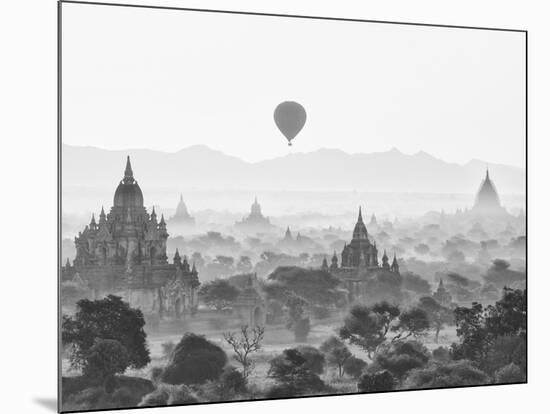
(162, 222)
(102, 215)
(194, 268)
(177, 257)
(128, 173)
(360, 230)
(394, 264)
(153, 214)
(92, 222)
(487, 172)
(288, 234)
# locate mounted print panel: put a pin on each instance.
(261, 206)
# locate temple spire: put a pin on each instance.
(128, 173)
(487, 172)
(360, 218)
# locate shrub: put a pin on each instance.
(124, 397)
(440, 375)
(195, 360)
(290, 371)
(376, 382)
(509, 374)
(232, 381)
(354, 367)
(166, 394)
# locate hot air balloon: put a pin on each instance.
(290, 118)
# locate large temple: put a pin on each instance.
(359, 261)
(124, 253)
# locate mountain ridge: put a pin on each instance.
(326, 169)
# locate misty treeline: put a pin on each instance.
(105, 338)
(427, 245)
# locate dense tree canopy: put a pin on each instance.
(315, 286)
(106, 358)
(107, 318)
(194, 361)
(219, 293)
(290, 371)
(401, 357)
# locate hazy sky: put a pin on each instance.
(169, 79)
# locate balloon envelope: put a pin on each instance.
(290, 118)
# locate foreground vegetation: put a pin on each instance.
(376, 348)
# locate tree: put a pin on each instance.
(438, 315)
(315, 359)
(244, 344)
(509, 315)
(354, 367)
(219, 293)
(368, 327)
(401, 357)
(501, 275)
(413, 322)
(105, 359)
(107, 318)
(416, 284)
(290, 371)
(494, 336)
(450, 374)
(314, 286)
(336, 353)
(471, 329)
(376, 382)
(296, 322)
(194, 361)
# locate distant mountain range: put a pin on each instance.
(201, 168)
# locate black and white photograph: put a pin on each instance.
(262, 207)
(308, 206)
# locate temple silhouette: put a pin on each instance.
(125, 254)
